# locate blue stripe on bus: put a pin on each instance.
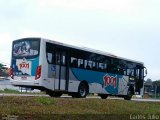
(96, 77)
(35, 64)
(88, 75)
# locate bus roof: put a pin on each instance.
(91, 50)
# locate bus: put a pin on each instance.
(59, 68)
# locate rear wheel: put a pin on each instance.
(103, 96)
(82, 90)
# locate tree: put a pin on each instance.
(2, 67)
(148, 82)
(157, 83)
(3, 70)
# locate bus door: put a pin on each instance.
(139, 79)
(62, 70)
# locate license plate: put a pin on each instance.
(23, 78)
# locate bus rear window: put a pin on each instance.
(26, 48)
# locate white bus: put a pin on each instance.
(59, 68)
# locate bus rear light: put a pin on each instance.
(11, 73)
(38, 72)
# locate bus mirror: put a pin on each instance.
(145, 71)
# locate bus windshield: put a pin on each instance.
(26, 48)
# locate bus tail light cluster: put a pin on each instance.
(11, 72)
(38, 72)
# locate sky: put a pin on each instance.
(126, 28)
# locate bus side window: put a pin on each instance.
(49, 57)
(120, 70)
(130, 72)
(124, 72)
(80, 63)
(74, 62)
(58, 58)
(94, 65)
(63, 60)
(101, 66)
(88, 64)
(111, 68)
(50, 53)
(105, 67)
(137, 73)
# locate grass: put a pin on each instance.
(69, 108)
(9, 91)
(44, 100)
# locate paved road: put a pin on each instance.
(147, 100)
(89, 97)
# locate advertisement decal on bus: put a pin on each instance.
(25, 66)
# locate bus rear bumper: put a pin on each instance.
(25, 83)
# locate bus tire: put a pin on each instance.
(103, 96)
(129, 94)
(83, 90)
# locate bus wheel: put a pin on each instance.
(103, 96)
(129, 95)
(82, 90)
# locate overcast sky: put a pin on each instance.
(126, 28)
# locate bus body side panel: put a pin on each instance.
(99, 82)
(48, 71)
(73, 82)
(51, 77)
(60, 81)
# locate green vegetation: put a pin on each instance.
(9, 91)
(69, 108)
(2, 66)
(44, 100)
(4, 71)
(157, 82)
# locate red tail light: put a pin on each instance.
(38, 72)
(11, 72)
